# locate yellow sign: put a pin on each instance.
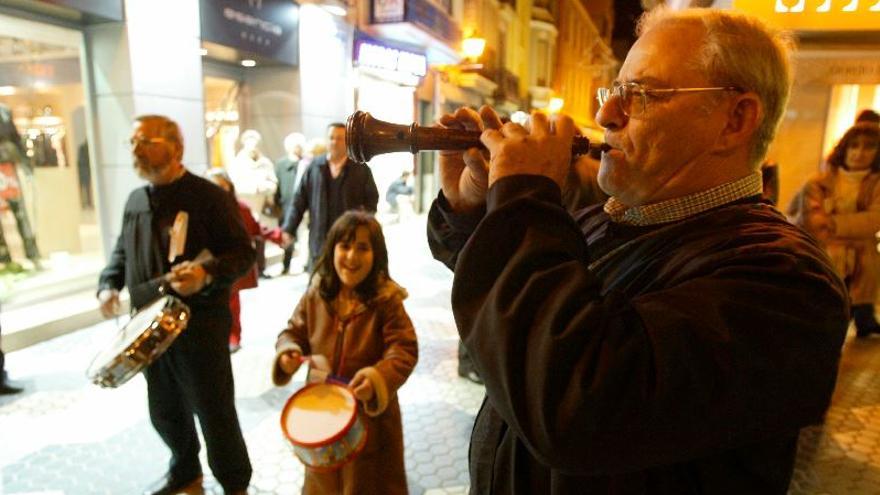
(816, 15)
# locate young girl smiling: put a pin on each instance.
(353, 314)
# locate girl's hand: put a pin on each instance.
(362, 387)
(290, 361)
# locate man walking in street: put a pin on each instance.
(194, 376)
(286, 170)
(332, 185)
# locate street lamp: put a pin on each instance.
(472, 47)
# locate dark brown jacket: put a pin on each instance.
(674, 359)
(378, 336)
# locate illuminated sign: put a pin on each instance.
(377, 56)
(816, 15)
(268, 28)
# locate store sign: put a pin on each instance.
(106, 9)
(423, 13)
(430, 18)
(267, 28)
(371, 54)
(35, 75)
(816, 15)
(387, 11)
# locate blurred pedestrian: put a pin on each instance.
(868, 115)
(249, 279)
(841, 208)
(5, 387)
(287, 172)
(332, 185)
(194, 375)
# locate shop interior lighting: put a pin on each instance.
(555, 104)
(519, 117)
(7, 90)
(248, 63)
(473, 47)
(335, 10)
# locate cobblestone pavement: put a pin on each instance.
(67, 436)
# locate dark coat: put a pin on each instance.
(138, 260)
(378, 337)
(285, 171)
(673, 359)
(359, 192)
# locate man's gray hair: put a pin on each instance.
(168, 128)
(742, 51)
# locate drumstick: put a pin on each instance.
(177, 244)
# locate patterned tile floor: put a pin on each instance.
(66, 436)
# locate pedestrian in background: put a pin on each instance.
(332, 185)
(287, 172)
(250, 279)
(353, 314)
(5, 387)
(841, 208)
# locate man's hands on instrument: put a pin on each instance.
(362, 387)
(541, 147)
(290, 361)
(464, 175)
(188, 278)
(109, 301)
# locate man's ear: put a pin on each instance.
(744, 116)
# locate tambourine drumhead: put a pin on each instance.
(132, 330)
(318, 413)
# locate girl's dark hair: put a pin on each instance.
(344, 229)
(837, 157)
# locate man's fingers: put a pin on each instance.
(476, 162)
(469, 118)
(538, 124)
(511, 129)
(490, 118)
(564, 126)
(449, 120)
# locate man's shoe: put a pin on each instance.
(471, 376)
(168, 485)
(7, 389)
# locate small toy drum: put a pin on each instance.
(321, 422)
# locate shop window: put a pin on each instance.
(847, 100)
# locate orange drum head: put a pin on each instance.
(318, 414)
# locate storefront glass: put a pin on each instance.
(47, 203)
(847, 100)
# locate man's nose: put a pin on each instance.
(610, 116)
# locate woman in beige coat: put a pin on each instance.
(353, 315)
(841, 208)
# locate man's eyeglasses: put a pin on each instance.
(632, 97)
(143, 141)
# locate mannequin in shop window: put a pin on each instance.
(13, 160)
(253, 175)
